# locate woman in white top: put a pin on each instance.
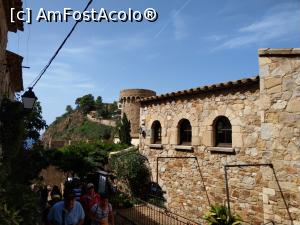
(101, 213)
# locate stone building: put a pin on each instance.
(130, 105)
(189, 136)
(11, 80)
(10, 63)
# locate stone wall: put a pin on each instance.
(187, 192)
(53, 176)
(7, 80)
(3, 43)
(4, 78)
(93, 118)
(265, 120)
(280, 132)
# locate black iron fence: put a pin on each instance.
(144, 213)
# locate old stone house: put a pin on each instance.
(10, 63)
(11, 80)
(190, 136)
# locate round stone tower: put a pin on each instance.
(131, 107)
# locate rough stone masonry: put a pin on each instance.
(264, 114)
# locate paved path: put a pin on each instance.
(145, 215)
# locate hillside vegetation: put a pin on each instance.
(74, 125)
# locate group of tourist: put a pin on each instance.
(77, 208)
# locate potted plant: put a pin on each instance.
(219, 215)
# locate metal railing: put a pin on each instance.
(144, 213)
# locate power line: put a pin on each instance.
(34, 82)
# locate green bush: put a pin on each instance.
(9, 216)
(85, 130)
(83, 158)
(124, 128)
(93, 131)
(132, 169)
(219, 215)
(120, 200)
(21, 164)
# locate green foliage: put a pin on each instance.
(132, 169)
(76, 127)
(69, 109)
(107, 110)
(83, 158)
(34, 161)
(9, 216)
(12, 133)
(88, 103)
(19, 165)
(20, 197)
(219, 215)
(93, 131)
(78, 159)
(124, 130)
(154, 200)
(85, 103)
(99, 106)
(120, 200)
(34, 122)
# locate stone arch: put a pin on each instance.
(148, 124)
(184, 132)
(174, 137)
(154, 118)
(156, 132)
(190, 118)
(236, 123)
(222, 132)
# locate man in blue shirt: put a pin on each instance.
(67, 212)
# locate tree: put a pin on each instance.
(34, 123)
(124, 130)
(77, 103)
(99, 106)
(132, 168)
(77, 159)
(69, 109)
(19, 165)
(85, 103)
(83, 158)
(99, 101)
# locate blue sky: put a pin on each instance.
(192, 43)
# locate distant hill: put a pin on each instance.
(91, 120)
(76, 127)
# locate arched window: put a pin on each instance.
(156, 132)
(185, 132)
(223, 132)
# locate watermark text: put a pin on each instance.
(93, 15)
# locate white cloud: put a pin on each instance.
(93, 45)
(279, 23)
(179, 25)
(215, 37)
(60, 76)
(120, 43)
(151, 56)
(180, 31)
(77, 50)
